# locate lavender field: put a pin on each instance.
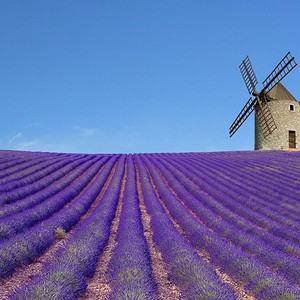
(221, 225)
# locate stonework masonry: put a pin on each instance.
(286, 114)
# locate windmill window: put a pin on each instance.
(292, 139)
(292, 107)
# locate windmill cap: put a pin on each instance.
(279, 92)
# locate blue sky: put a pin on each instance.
(136, 76)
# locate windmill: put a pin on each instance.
(260, 101)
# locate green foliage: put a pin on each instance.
(130, 275)
(225, 232)
(42, 292)
(130, 295)
(60, 233)
(287, 296)
(4, 230)
(64, 278)
(262, 284)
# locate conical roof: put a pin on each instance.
(280, 92)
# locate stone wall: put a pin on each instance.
(285, 120)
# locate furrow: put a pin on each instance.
(66, 273)
(196, 278)
(167, 290)
(244, 268)
(98, 287)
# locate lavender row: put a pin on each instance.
(235, 202)
(32, 174)
(261, 206)
(230, 216)
(252, 167)
(12, 167)
(29, 190)
(17, 166)
(9, 159)
(256, 277)
(130, 271)
(283, 197)
(34, 166)
(260, 191)
(260, 198)
(17, 171)
(19, 222)
(284, 264)
(25, 247)
(6, 157)
(279, 161)
(282, 222)
(283, 184)
(195, 277)
(64, 178)
(64, 276)
(259, 173)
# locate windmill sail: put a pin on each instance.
(285, 66)
(260, 103)
(242, 116)
(248, 75)
(264, 117)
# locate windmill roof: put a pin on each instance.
(280, 92)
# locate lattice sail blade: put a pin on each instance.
(242, 116)
(264, 117)
(285, 66)
(248, 74)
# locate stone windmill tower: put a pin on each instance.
(277, 112)
(285, 110)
